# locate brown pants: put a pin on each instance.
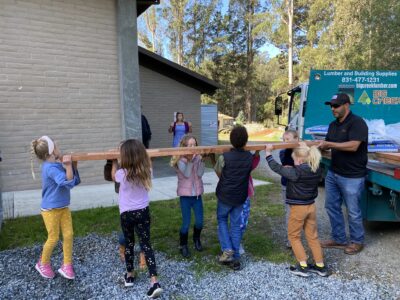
(304, 217)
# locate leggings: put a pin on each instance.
(54, 220)
(139, 221)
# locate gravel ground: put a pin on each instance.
(372, 274)
(380, 259)
(99, 271)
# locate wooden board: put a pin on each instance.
(389, 155)
(390, 158)
(381, 167)
(114, 154)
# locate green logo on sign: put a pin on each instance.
(364, 98)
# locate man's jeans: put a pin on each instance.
(339, 189)
(229, 238)
(187, 202)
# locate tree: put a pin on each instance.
(174, 12)
(150, 31)
(198, 30)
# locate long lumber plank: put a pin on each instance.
(390, 156)
(114, 154)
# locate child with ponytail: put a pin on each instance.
(58, 178)
(301, 191)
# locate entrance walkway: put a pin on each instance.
(26, 203)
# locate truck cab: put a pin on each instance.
(297, 98)
(374, 95)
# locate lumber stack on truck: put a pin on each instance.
(114, 154)
(389, 157)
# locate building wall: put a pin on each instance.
(161, 96)
(58, 77)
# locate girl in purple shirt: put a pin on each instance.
(135, 182)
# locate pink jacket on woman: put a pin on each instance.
(189, 177)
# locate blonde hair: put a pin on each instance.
(309, 155)
(136, 162)
(40, 149)
(183, 143)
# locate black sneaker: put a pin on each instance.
(155, 291)
(321, 271)
(235, 265)
(128, 281)
(299, 270)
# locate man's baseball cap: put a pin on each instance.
(338, 99)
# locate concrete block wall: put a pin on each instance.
(59, 76)
(161, 96)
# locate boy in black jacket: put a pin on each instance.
(233, 169)
(301, 191)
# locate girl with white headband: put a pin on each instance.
(57, 180)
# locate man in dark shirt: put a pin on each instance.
(348, 139)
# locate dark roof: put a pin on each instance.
(181, 74)
(142, 5)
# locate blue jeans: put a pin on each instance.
(341, 189)
(229, 238)
(187, 202)
(244, 216)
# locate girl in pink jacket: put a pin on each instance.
(190, 169)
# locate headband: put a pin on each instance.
(50, 143)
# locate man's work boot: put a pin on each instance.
(353, 248)
(332, 244)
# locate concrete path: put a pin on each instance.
(26, 203)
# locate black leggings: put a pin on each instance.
(139, 221)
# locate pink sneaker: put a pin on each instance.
(67, 271)
(45, 270)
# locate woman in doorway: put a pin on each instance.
(179, 128)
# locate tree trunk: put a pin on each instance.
(250, 59)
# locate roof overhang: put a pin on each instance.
(142, 5)
(181, 74)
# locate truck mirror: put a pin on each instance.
(278, 106)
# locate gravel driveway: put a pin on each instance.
(98, 272)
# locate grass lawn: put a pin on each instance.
(166, 220)
(265, 135)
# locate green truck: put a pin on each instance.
(375, 95)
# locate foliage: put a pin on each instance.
(226, 41)
(240, 119)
